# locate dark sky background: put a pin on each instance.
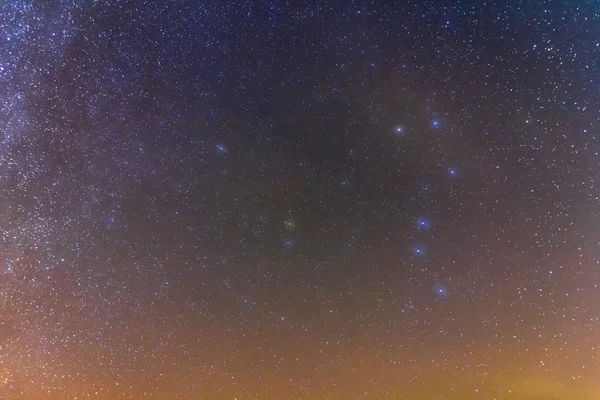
(313, 200)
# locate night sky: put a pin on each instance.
(320, 200)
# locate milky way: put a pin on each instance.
(334, 200)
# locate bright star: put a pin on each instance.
(398, 130)
(418, 250)
(440, 291)
(435, 123)
(222, 149)
(289, 224)
(423, 223)
(452, 172)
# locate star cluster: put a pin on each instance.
(311, 200)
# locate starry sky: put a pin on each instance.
(303, 200)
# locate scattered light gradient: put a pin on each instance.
(211, 200)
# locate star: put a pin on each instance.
(288, 243)
(419, 250)
(289, 224)
(435, 123)
(452, 172)
(426, 188)
(423, 223)
(399, 130)
(440, 291)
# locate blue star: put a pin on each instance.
(221, 149)
(423, 223)
(441, 291)
(435, 123)
(398, 130)
(288, 243)
(349, 244)
(419, 250)
(452, 172)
